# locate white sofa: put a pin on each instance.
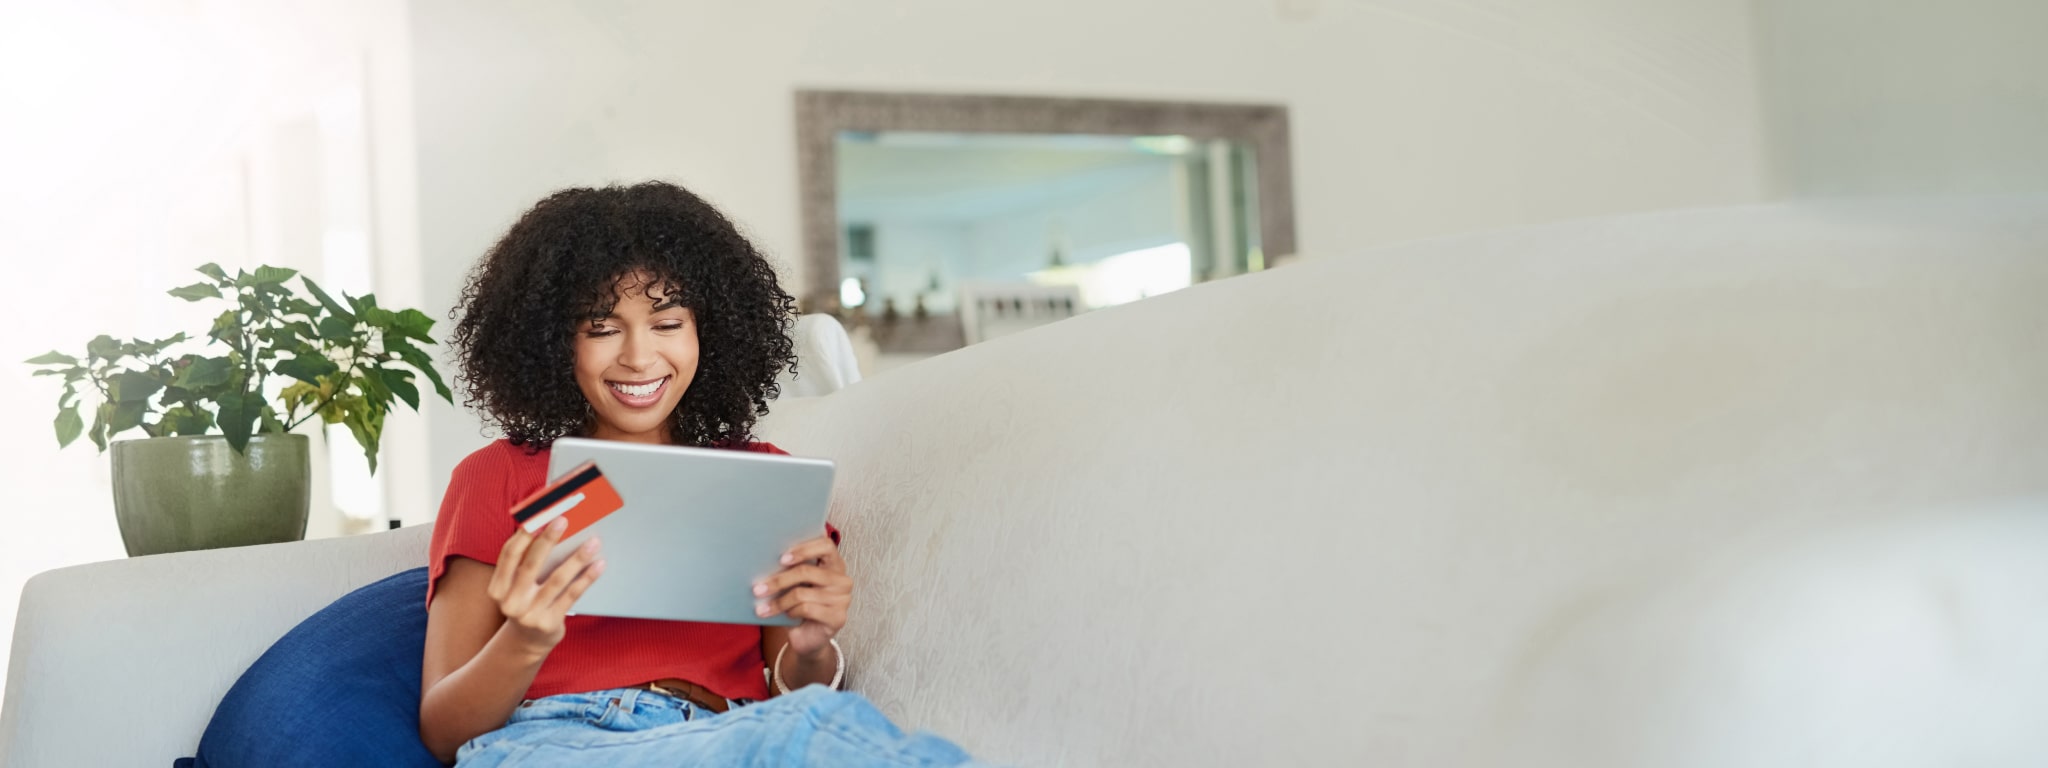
(1736, 487)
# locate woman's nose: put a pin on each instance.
(638, 351)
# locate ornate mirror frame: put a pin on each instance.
(822, 115)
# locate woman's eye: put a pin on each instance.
(598, 333)
(669, 327)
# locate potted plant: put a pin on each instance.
(219, 466)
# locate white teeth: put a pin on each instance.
(642, 390)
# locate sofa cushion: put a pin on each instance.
(341, 688)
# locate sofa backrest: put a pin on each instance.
(1707, 487)
(162, 638)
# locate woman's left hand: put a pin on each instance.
(813, 587)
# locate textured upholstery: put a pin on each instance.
(1750, 486)
(1753, 486)
(121, 663)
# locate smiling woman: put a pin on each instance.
(635, 361)
(594, 287)
(637, 314)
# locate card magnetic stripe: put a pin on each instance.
(563, 491)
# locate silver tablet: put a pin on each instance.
(698, 527)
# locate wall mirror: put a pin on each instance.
(935, 221)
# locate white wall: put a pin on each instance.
(1906, 96)
(141, 140)
(1410, 117)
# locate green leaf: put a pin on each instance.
(227, 327)
(335, 329)
(174, 395)
(415, 324)
(237, 415)
(268, 275)
(380, 318)
(400, 384)
(307, 368)
(196, 291)
(419, 360)
(297, 394)
(213, 271)
(71, 375)
(134, 387)
(439, 387)
(368, 441)
(175, 423)
(205, 372)
(98, 432)
(68, 426)
(293, 305)
(334, 411)
(127, 415)
(150, 348)
(273, 335)
(363, 304)
(269, 423)
(366, 422)
(103, 347)
(328, 301)
(187, 420)
(164, 343)
(52, 358)
(374, 389)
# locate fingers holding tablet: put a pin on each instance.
(820, 550)
(812, 587)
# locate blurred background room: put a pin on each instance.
(932, 173)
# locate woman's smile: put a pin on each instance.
(639, 394)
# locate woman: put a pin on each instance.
(638, 314)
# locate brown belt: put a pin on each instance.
(687, 691)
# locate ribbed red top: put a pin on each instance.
(596, 652)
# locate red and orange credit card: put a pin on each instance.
(582, 496)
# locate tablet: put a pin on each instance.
(695, 527)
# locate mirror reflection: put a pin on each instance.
(950, 239)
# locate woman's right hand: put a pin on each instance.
(534, 609)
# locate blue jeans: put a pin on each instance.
(633, 728)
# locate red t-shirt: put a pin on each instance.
(596, 652)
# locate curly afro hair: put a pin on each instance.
(563, 263)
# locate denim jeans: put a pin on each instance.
(633, 728)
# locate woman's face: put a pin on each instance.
(634, 365)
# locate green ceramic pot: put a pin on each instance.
(177, 494)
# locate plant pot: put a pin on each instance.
(177, 494)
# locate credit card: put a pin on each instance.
(582, 496)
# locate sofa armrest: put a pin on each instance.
(123, 662)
